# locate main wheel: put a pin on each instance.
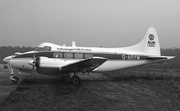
(15, 79)
(75, 80)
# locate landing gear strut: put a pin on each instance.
(13, 78)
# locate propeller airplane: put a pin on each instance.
(69, 61)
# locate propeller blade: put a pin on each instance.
(33, 62)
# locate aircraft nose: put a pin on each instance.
(22, 63)
(8, 58)
(12, 62)
(5, 59)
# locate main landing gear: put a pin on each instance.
(72, 77)
(75, 80)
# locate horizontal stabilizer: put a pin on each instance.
(161, 57)
(169, 57)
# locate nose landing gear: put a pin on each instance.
(14, 79)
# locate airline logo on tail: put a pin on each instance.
(151, 43)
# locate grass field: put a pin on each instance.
(137, 89)
(5, 83)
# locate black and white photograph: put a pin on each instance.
(89, 55)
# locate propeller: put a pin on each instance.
(33, 63)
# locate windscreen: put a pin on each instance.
(45, 48)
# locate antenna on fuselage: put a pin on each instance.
(73, 44)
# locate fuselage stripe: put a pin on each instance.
(75, 55)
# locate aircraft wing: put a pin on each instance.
(87, 65)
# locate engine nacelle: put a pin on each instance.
(52, 66)
(48, 66)
(48, 62)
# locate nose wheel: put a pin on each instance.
(14, 79)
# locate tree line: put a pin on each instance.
(9, 50)
(172, 52)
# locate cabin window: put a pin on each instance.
(78, 56)
(58, 55)
(68, 55)
(88, 56)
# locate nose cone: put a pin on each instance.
(8, 58)
(23, 64)
(4, 60)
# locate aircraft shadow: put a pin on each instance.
(58, 80)
(59, 87)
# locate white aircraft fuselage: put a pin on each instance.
(66, 55)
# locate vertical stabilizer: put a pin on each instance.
(150, 43)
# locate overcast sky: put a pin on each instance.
(107, 23)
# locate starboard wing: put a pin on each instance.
(87, 65)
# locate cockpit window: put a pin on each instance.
(36, 48)
(45, 48)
